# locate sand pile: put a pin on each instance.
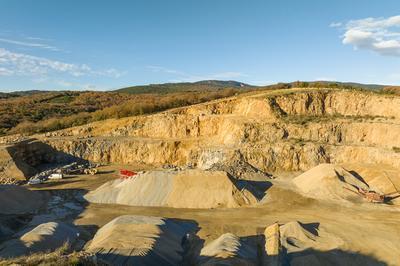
(328, 181)
(141, 240)
(185, 189)
(45, 237)
(381, 178)
(308, 244)
(18, 200)
(228, 249)
(296, 237)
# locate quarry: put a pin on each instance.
(299, 176)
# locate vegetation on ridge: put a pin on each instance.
(32, 112)
(51, 111)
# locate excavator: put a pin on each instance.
(375, 197)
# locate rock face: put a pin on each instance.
(141, 240)
(43, 238)
(186, 189)
(292, 129)
(18, 161)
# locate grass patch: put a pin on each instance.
(59, 257)
(62, 99)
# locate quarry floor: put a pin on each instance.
(368, 229)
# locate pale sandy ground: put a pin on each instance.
(369, 229)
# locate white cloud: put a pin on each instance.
(381, 35)
(37, 38)
(30, 44)
(262, 82)
(181, 76)
(5, 72)
(335, 24)
(64, 83)
(164, 70)
(112, 72)
(67, 84)
(23, 64)
(28, 65)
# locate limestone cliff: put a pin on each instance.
(293, 129)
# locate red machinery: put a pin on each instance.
(125, 174)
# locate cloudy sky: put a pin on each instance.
(99, 45)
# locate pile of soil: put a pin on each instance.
(185, 189)
(329, 182)
(297, 237)
(228, 249)
(141, 240)
(307, 244)
(43, 238)
(19, 200)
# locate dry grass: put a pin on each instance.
(60, 257)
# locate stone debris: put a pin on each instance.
(59, 172)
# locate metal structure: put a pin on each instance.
(375, 197)
(69, 169)
(125, 174)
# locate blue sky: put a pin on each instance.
(47, 44)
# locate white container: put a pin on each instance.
(56, 176)
(35, 181)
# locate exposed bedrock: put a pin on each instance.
(288, 130)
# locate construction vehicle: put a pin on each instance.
(375, 197)
(79, 169)
(126, 174)
(90, 171)
(69, 169)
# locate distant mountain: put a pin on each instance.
(205, 85)
(29, 92)
(325, 84)
(221, 83)
(6, 95)
(213, 85)
(354, 84)
(209, 85)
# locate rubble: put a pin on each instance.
(74, 168)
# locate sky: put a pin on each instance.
(105, 45)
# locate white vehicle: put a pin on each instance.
(35, 181)
(56, 176)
